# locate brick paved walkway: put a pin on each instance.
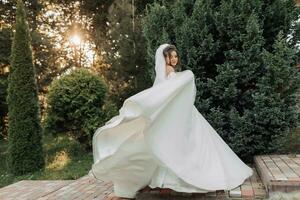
(87, 188)
(252, 188)
(279, 172)
(31, 189)
(83, 188)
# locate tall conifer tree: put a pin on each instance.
(25, 151)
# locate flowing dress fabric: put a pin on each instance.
(160, 139)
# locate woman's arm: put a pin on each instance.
(169, 69)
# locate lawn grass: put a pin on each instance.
(65, 159)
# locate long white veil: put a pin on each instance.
(160, 64)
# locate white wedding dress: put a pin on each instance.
(160, 139)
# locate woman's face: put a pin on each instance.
(172, 59)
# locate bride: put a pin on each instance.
(161, 140)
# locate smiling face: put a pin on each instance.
(172, 58)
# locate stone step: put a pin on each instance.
(279, 173)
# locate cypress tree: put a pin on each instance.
(25, 151)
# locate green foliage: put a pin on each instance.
(76, 103)
(244, 59)
(5, 50)
(292, 143)
(104, 26)
(25, 152)
(126, 50)
(280, 16)
(45, 54)
(275, 99)
(5, 45)
(65, 159)
(3, 104)
(154, 22)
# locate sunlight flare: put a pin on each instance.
(75, 39)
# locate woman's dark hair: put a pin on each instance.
(167, 53)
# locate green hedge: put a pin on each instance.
(244, 61)
(77, 104)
